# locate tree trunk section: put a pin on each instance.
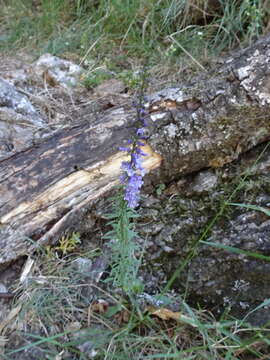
(205, 123)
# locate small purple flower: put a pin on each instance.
(142, 112)
(140, 152)
(136, 161)
(140, 131)
(128, 168)
(144, 122)
(133, 190)
(123, 148)
(140, 143)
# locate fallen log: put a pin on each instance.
(207, 122)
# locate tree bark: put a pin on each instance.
(207, 122)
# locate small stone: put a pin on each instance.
(110, 87)
(3, 288)
(87, 341)
(20, 121)
(87, 348)
(83, 265)
(204, 182)
(168, 249)
(57, 71)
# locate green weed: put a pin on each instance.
(68, 243)
(95, 78)
(124, 250)
(158, 31)
(252, 207)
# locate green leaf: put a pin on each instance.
(165, 300)
(236, 250)
(265, 303)
(112, 310)
(252, 207)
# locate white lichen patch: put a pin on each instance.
(172, 94)
(262, 93)
(171, 130)
(233, 100)
(187, 147)
(240, 285)
(253, 77)
(57, 71)
(264, 97)
(244, 72)
(25, 106)
(256, 53)
(157, 116)
(118, 117)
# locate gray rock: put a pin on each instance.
(20, 122)
(3, 288)
(89, 340)
(56, 71)
(18, 77)
(87, 349)
(110, 87)
(234, 279)
(10, 98)
(216, 276)
(83, 266)
(204, 181)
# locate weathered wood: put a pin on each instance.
(46, 185)
(205, 123)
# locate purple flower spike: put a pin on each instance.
(132, 178)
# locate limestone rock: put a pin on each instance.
(20, 122)
(110, 87)
(56, 71)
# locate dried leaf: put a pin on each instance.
(100, 306)
(14, 312)
(26, 269)
(122, 317)
(166, 314)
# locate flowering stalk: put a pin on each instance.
(124, 250)
(133, 171)
(124, 262)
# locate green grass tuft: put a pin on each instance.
(148, 30)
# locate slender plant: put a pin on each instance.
(124, 250)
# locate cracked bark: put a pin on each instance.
(205, 123)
